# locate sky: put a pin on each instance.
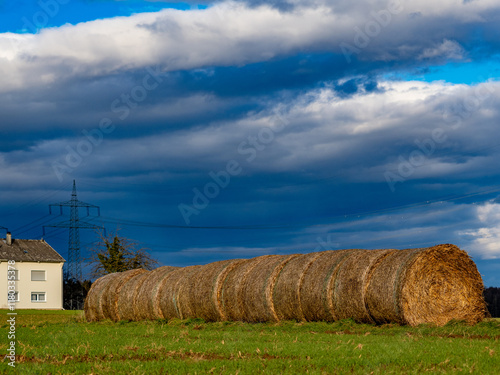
(232, 129)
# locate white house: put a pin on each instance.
(38, 275)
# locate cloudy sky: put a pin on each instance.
(232, 129)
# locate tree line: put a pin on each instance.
(492, 298)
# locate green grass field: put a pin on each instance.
(61, 342)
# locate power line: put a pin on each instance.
(33, 202)
(137, 223)
(30, 226)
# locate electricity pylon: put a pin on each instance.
(74, 224)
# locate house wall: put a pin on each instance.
(51, 286)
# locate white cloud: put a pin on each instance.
(356, 138)
(447, 50)
(486, 239)
(227, 34)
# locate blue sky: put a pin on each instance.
(469, 72)
(32, 16)
(218, 130)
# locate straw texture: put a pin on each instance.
(109, 298)
(168, 299)
(413, 286)
(203, 287)
(234, 287)
(92, 305)
(350, 284)
(128, 294)
(316, 289)
(146, 295)
(255, 292)
(286, 292)
(442, 283)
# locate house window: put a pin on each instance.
(38, 297)
(13, 297)
(37, 275)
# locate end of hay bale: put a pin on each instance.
(442, 284)
(95, 302)
(91, 306)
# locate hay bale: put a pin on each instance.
(382, 296)
(286, 292)
(203, 288)
(316, 289)
(109, 297)
(231, 293)
(102, 307)
(128, 294)
(144, 299)
(413, 286)
(92, 305)
(430, 285)
(350, 284)
(166, 301)
(256, 289)
(442, 283)
(221, 281)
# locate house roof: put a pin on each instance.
(29, 251)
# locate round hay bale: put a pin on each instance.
(92, 305)
(202, 292)
(257, 286)
(286, 292)
(145, 297)
(166, 301)
(102, 307)
(430, 285)
(381, 295)
(109, 297)
(220, 282)
(316, 289)
(350, 284)
(413, 286)
(231, 293)
(127, 296)
(442, 283)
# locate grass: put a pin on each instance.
(61, 342)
